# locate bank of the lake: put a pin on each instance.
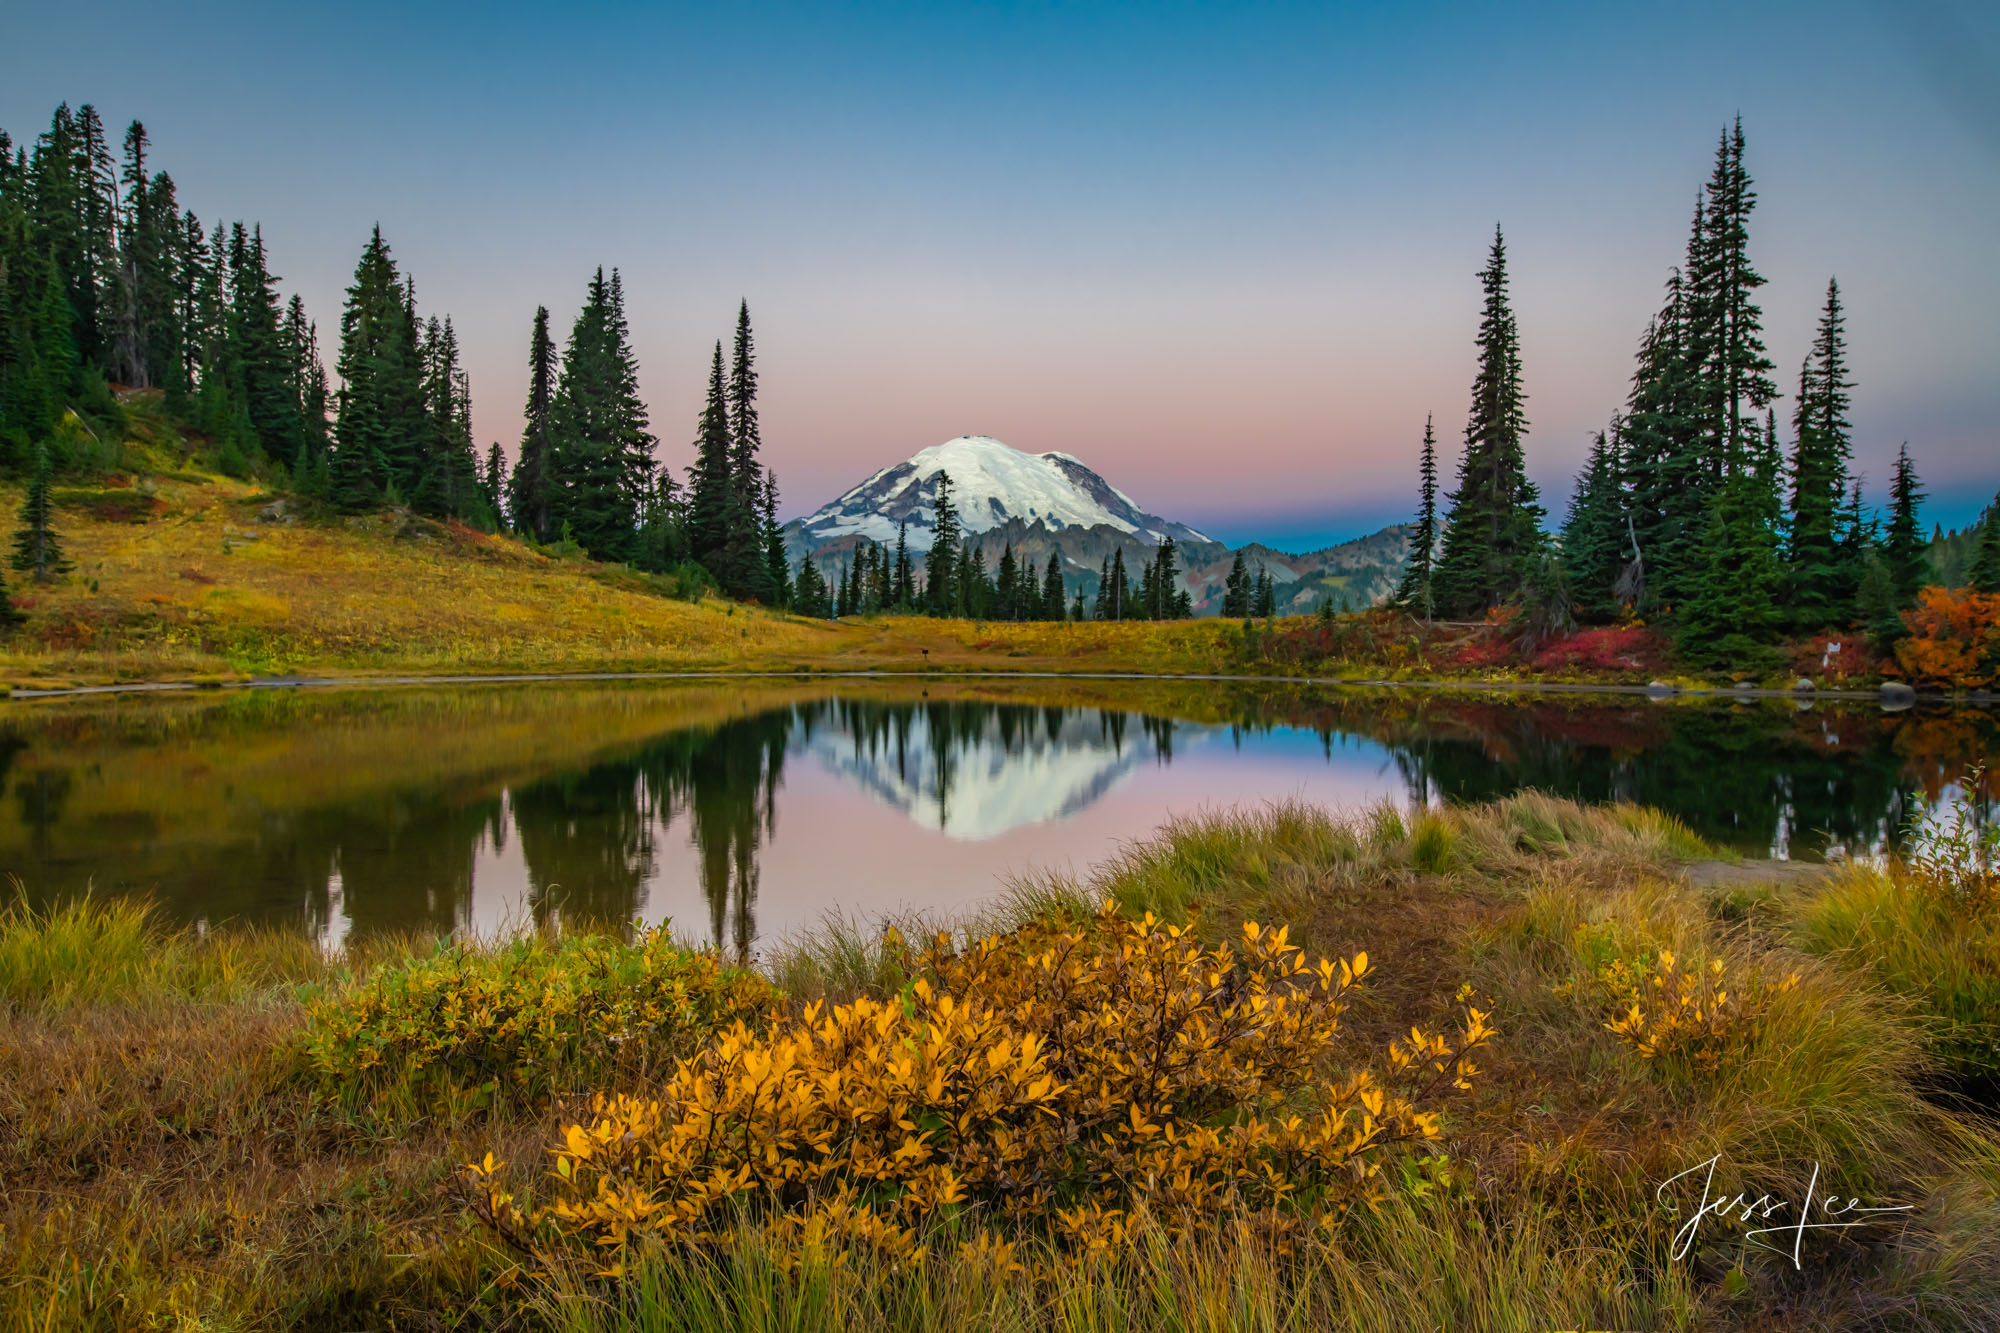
(237, 1129)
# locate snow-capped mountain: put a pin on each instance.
(1051, 505)
(992, 485)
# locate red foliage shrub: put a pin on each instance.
(1605, 648)
(1954, 639)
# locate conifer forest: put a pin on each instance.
(1698, 509)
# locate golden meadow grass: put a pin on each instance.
(173, 1158)
(178, 576)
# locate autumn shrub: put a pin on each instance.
(1685, 1016)
(1953, 639)
(1604, 648)
(1062, 1081)
(470, 1028)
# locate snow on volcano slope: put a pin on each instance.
(991, 484)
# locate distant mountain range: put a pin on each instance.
(1042, 503)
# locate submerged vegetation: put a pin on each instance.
(193, 1133)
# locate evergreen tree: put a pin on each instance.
(307, 387)
(1076, 608)
(1052, 588)
(1666, 481)
(1818, 584)
(382, 423)
(1594, 544)
(1119, 604)
(712, 503)
(776, 569)
(528, 489)
(905, 593)
(1904, 553)
(941, 565)
(1266, 597)
(881, 579)
(37, 549)
(448, 485)
(1100, 606)
(263, 369)
(1876, 603)
(1236, 590)
(1731, 611)
(1415, 590)
(1728, 332)
(1006, 586)
(493, 484)
(602, 454)
(1984, 575)
(810, 599)
(747, 575)
(1494, 524)
(975, 594)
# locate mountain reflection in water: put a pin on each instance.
(431, 810)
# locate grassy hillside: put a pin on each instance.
(182, 574)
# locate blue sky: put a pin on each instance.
(1223, 253)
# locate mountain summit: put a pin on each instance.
(1049, 505)
(992, 486)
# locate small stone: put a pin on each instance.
(1746, 684)
(1804, 683)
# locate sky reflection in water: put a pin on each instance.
(745, 813)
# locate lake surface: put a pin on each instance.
(745, 810)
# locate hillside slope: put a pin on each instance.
(185, 575)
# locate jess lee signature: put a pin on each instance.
(1835, 1214)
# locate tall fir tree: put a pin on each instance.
(493, 485)
(1052, 588)
(777, 570)
(1494, 523)
(528, 489)
(381, 423)
(601, 460)
(745, 574)
(1904, 550)
(1594, 537)
(941, 565)
(261, 366)
(1819, 587)
(712, 495)
(448, 485)
(1415, 590)
(1236, 590)
(1728, 333)
(904, 595)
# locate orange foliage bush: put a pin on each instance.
(1954, 638)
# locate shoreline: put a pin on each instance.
(1889, 701)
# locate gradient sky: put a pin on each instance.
(1222, 253)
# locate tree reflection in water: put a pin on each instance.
(390, 849)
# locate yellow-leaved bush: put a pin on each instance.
(1693, 1016)
(1062, 1079)
(470, 1028)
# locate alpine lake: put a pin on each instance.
(745, 810)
